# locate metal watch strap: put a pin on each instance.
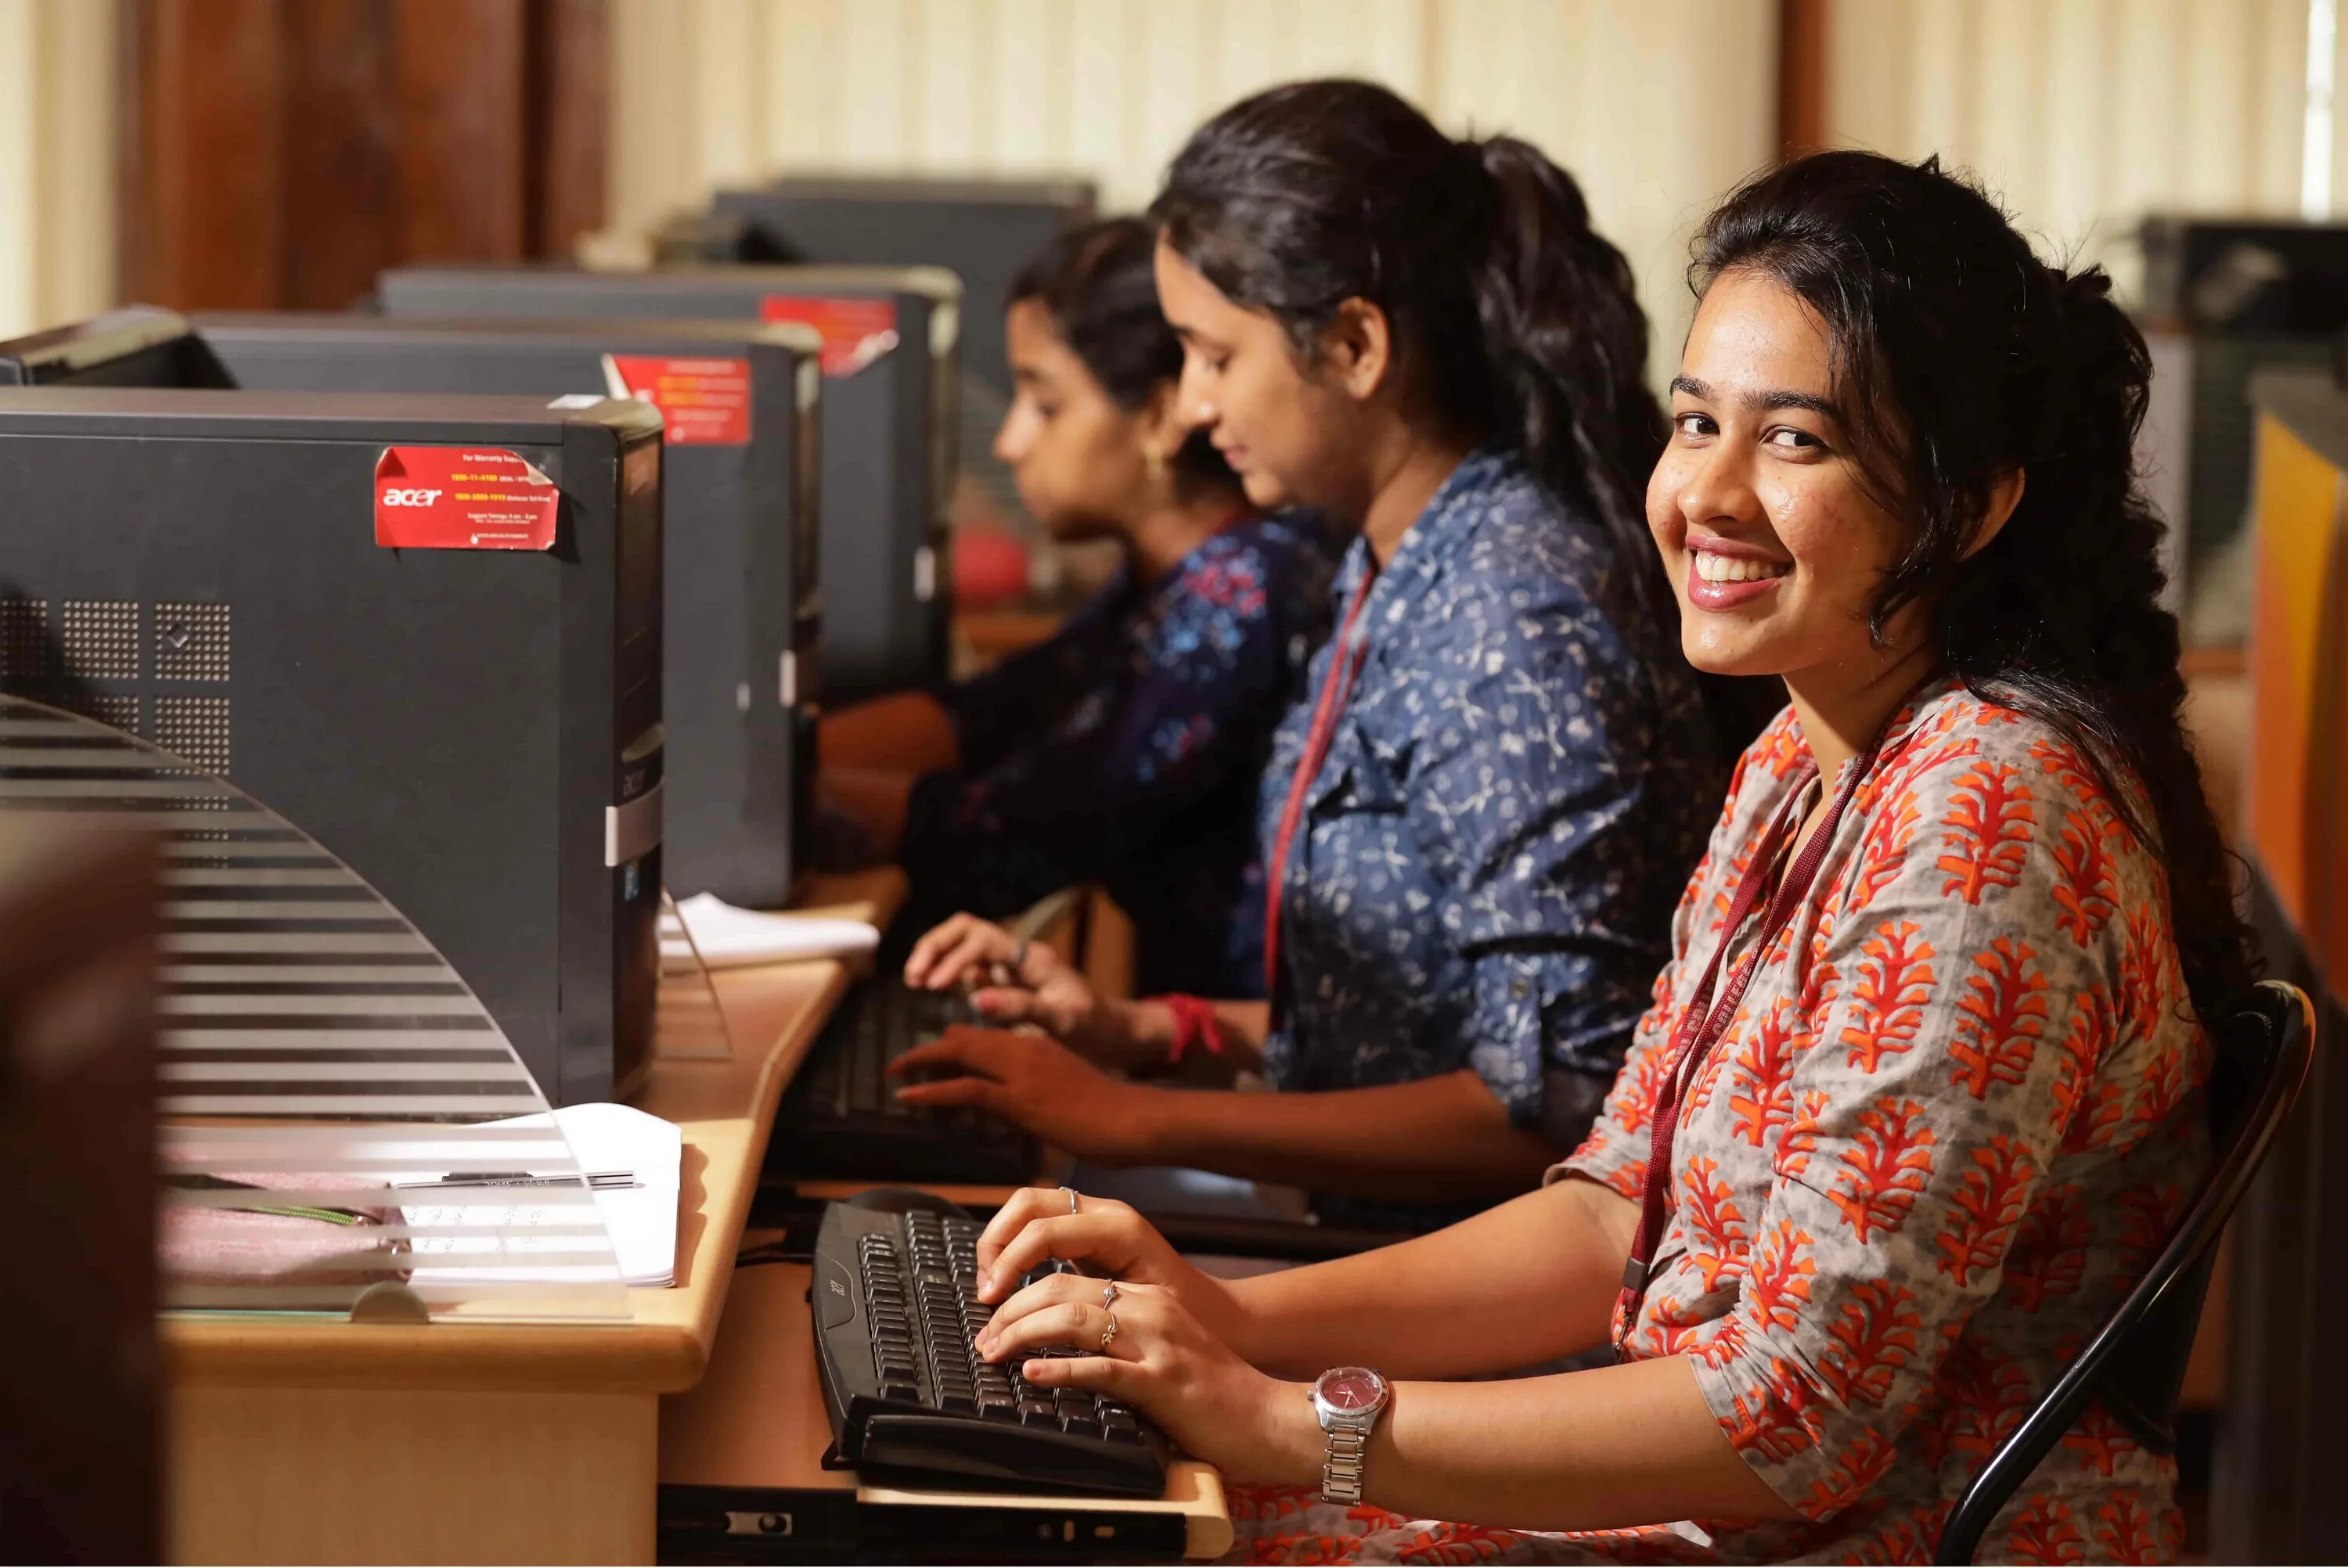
(1341, 1471)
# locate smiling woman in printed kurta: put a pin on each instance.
(1922, 1085)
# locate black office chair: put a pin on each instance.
(2135, 1365)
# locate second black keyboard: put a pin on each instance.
(841, 1116)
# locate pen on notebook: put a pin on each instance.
(600, 1181)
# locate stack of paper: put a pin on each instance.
(641, 1218)
(727, 937)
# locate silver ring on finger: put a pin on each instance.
(1019, 957)
(1109, 1293)
(1072, 1198)
(1109, 1333)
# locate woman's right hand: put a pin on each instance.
(1109, 1239)
(1020, 982)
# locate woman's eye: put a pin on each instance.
(1695, 425)
(1787, 438)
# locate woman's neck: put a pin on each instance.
(1406, 483)
(1841, 711)
(1157, 541)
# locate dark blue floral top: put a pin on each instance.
(1509, 807)
(1125, 751)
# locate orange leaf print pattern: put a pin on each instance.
(1870, 1342)
(1779, 1288)
(2045, 1533)
(2085, 893)
(1982, 1215)
(2004, 1010)
(1986, 834)
(1895, 981)
(1761, 1078)
(2050, 1248)
(1885, 1167)
(1714, 1228)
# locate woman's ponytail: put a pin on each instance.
(1564, 336)
(1517, 323)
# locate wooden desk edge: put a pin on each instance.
(631, 1356)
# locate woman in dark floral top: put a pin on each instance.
(1501, 772)
(1124, 750)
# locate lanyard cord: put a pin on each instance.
(1345, 660)
(1703, 1023)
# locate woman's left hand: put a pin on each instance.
(1165, 1363)
(1039, 1083)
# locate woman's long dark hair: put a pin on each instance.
(1514, 321)
(1960, 357)
(1098, 283)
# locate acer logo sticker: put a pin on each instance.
(462, 498)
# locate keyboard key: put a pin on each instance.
(1038, 1414)
(901, 1393)
(958, 1401)
(995, 1407)
(1080, 1423)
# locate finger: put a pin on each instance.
(938, 939)
(953, 1094)
(1071, 1325)
(1051, 1290)
(1026, 1204)
(1004, 1004)
(1115, 1376)
(1100, 1236)
(943, 1052)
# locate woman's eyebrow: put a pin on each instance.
(1767, 401)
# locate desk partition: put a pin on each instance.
(342, 1129)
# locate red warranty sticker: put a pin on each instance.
(462, 498)
(856, 330)
(703, 402)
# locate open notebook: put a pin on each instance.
(641, 1158)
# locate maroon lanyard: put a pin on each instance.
(1346, 659)
(1704, 1023)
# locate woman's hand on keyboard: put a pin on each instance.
(1166, 1361)
(1014, 982)
(1035, 1081)
(1108, 1239)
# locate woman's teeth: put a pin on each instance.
(1737, 568)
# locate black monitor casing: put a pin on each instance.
(741, 604)
(888, 435)
(475, 732)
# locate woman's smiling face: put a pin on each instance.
(1772, 539)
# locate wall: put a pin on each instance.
(56, 161)
(2083, 115)
(1655, 105)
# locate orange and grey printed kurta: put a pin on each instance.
(1958, 1110)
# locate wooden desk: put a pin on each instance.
(311, 1441)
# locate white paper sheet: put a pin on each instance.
(729, 937)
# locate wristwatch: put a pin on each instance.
(1349, 1401)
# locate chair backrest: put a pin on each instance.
(2136, 1363)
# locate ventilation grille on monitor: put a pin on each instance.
(125, 663)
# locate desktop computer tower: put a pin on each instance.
(981, 231)
(891, 343)
(738, 491)
(425, 631)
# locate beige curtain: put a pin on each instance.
(56, 161)
(2083, 115)
(1655, 105)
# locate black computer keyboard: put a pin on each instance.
(896, 1308)
(841, 1116)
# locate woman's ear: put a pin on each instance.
(1358, 348)
(2004, 496)
(1161, 423)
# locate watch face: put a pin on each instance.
(1351, 1389)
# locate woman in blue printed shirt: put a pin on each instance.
(1479, 812)
(1125, 749)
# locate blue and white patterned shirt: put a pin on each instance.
(1509, 807)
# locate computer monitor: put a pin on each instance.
(79, 1416)
(891, 338)
(425, 631)
(981, 231)
(739, 489)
